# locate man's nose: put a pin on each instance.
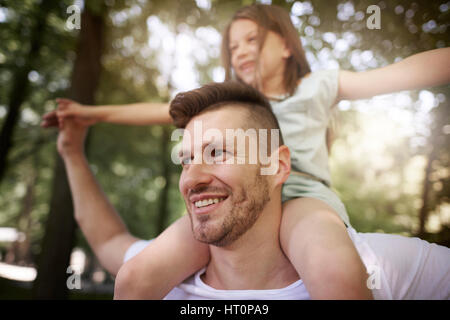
(196, 175)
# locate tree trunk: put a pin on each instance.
(58, 240)
(20, 83)
(19, 252)
(164, 195)
(423, 213)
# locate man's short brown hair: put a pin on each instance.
(189, 104)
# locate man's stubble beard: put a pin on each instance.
(246, 207)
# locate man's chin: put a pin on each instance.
(205, 231)
(211, 240)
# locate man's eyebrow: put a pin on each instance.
(214, 143)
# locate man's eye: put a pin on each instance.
(186, 161)
(217, 153)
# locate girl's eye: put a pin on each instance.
(233, 48)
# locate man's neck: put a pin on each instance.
(254, 261)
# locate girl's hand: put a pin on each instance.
(80, 114)
(71, 139)
(49, 120)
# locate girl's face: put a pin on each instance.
(244, 51)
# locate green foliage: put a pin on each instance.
(34, 149)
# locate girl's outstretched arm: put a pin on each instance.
(422, 70)
(133, 114)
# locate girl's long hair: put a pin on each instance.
(276, 19)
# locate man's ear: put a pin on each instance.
(281, 156)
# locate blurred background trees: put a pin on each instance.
(390, 161)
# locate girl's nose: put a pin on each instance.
(242, 50)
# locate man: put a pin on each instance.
(242, 222)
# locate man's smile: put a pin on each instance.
(206, 203)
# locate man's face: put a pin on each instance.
(223, 199)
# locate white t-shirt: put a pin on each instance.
(399, 268)
(194, 288)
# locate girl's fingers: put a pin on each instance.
(62, 106)
(49, 115)
(60, 123)
(49, 123)
(63, 101)
(55, 118)
(61, 114)
(49, 119)
(66, 111)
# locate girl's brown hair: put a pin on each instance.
(276, 19)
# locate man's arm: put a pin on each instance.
(103, 228)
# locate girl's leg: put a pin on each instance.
(316, 241)
(167, 261)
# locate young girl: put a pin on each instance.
(261, 47)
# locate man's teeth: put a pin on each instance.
(206, 202)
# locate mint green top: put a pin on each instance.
(304, 118)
